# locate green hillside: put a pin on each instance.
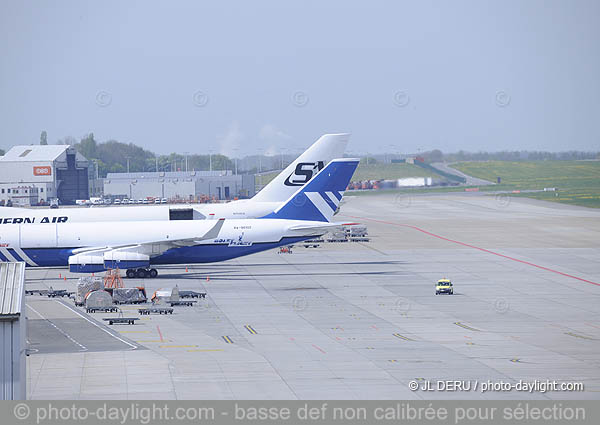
(578, 182)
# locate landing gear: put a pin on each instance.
(141, 273)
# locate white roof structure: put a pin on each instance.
(12, 281)
(34, 153)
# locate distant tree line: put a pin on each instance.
(437, 156)
(113, 156)
(117, 157)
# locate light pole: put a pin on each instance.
(186, 161)
(235, 150)
(282, 149)
(394, 148)
(128, 164)
(210, 160)
(260, 153)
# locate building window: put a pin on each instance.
(2, 190)
(8, 190)
(41, 189)
(16, 191)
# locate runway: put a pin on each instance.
(353, 320)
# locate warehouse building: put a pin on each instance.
(183, 185)
(35, 174)
(13, 329)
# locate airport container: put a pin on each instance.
(129, 295)
(85, 285)
(98, 299)
(165, 295)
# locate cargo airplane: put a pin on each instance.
(139, 245)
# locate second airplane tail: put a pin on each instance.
(318, 199)
(304, 168)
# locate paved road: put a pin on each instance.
(471, 181)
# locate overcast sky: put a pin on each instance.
(400, 76)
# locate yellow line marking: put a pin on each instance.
(216, 349)
(177, 346)
(580, 336)
(466, 327)
(227, 339)
(515, 360)
(251, 329)
(403, 337)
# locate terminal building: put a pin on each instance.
(30, 175)
(179, 185)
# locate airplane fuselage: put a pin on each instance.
(245, 208)
(51, 244)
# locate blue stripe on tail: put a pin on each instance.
(311, 202)
(328, 200)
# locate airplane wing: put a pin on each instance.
(211, 234)
(132, 255)
(322, 227)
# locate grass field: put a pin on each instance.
(578, 182)
(263, 180)
(389, 172)
(370, 172)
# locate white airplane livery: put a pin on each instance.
(297, 174)
(139, 245)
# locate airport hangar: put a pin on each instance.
(185, 185)
(34, 174)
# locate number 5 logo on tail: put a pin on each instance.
(303, 173)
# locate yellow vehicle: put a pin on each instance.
(444, 286)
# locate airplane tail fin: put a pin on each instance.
(319, 198)
(305, 167)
